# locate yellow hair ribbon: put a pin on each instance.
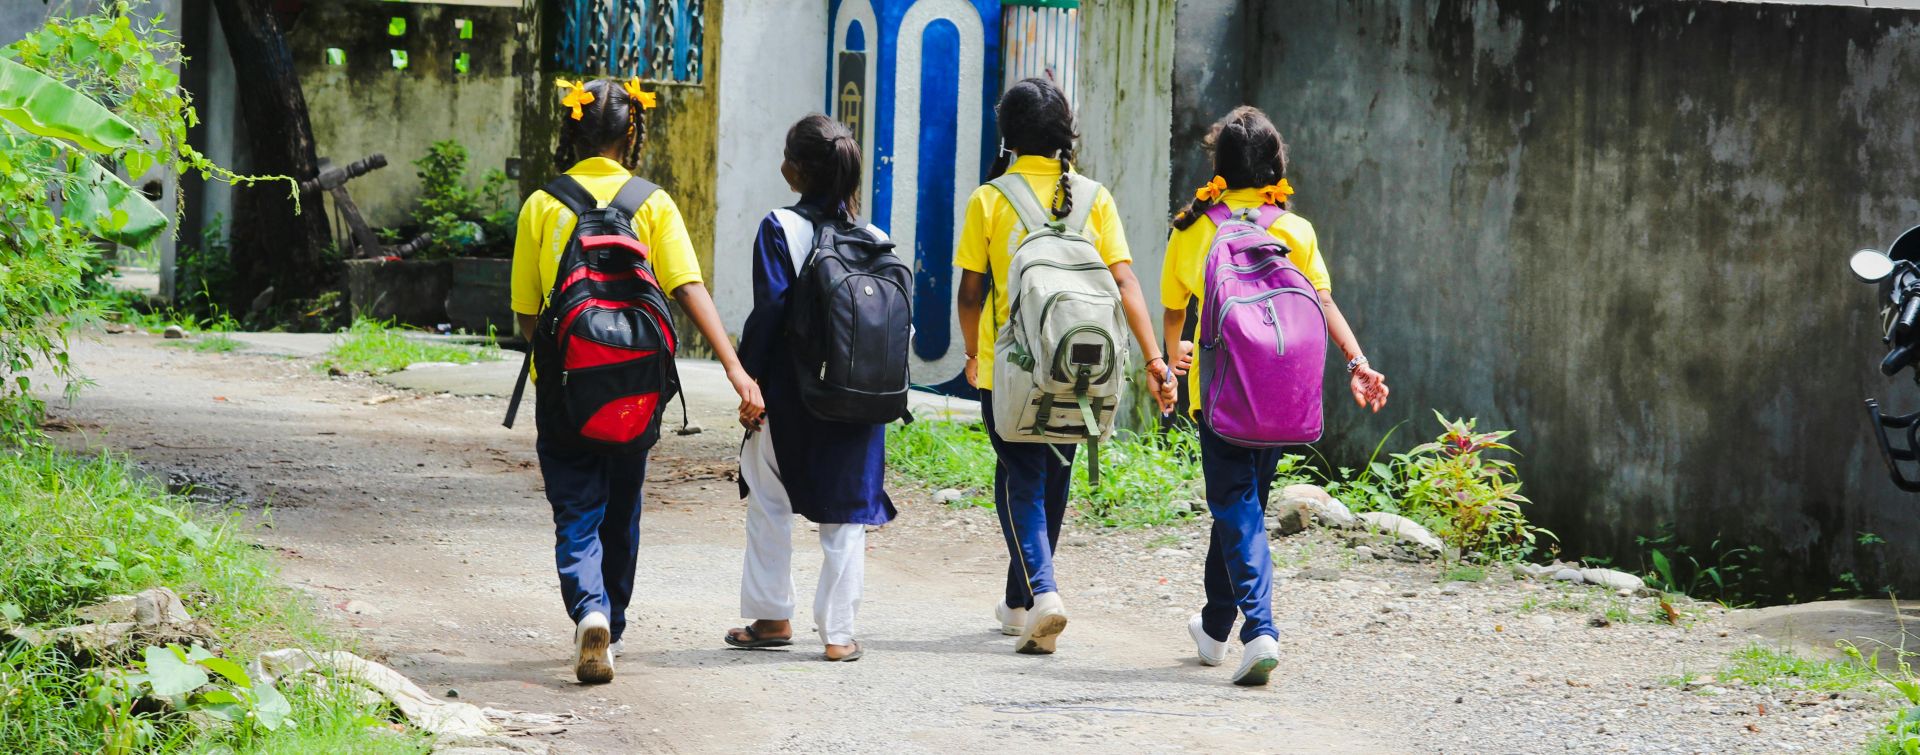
(576, 97)
(1277, 193)
(1211, 190)
(646, 99)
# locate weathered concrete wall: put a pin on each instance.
(1126, 108)
(1620, 228)
(367, 105)
(776, 63)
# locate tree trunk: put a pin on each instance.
(272, 245)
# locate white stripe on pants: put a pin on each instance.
(766, 588)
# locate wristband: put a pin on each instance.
(1356, 363)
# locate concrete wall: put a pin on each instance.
(1126, 109)
(776, 61)
(367, 105)
(1620, 228)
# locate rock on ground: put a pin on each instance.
(1406, 530)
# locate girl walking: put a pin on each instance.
(795, 463)
(1032, 480)
(1250, 163)
(596, 495)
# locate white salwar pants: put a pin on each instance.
(766, 588)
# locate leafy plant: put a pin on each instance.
(1477, 498)
(458, 219)
(378, 347)
(80, 98)
(1715, 574)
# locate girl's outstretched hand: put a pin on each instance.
(753, 409)
(1369, 388)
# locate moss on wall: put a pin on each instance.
(365, 105)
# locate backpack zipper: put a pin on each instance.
(1220, 318)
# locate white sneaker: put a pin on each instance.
(591, 663)
(1212, 651)
(1045, 621)
(619, 648)
(1260, 657)
(1012, 620)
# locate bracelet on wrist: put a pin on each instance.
(1356, 363)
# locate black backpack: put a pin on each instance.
(849, 320)
(605, 340)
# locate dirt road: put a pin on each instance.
(419, 521)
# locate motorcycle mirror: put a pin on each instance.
(1870, 266)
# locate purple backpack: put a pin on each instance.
(1263, 337)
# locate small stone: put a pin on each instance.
(1450, 588)
(1538, 621)
(1567, 575)
(175, 333)
(452, 692)
(1362, 552)
(1077, 541)
(1404, 529)
(1323, 506)
(359, 608)
(1598, 620)
(1612, 579)
(1320, 574)
(1169, 553)
(947, 495)
(1292, 518)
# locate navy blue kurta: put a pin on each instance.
(834, 472)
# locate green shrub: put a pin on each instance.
(460, 220)
(1147, 479)
(80, 529)
(80, 97)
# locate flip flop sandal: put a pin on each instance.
(850, 657)
(755, 642)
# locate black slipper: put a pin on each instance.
(755, 642)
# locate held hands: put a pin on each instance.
(1181, 360)
(1369, 388)
(753, 409)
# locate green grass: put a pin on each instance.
(1146, 479)
(82, 528)
(217, 343)
(1758, 664)
(380, 347)
(1464, 573)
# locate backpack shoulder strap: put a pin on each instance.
(633, 194)
(571, 193)
(1084, 191)
(1025, 203)
(799, 233)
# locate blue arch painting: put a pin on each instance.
(939, 139)
(939, 144)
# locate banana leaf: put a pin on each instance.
(40, 105)
(99, 200)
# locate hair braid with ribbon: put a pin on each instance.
(599, 115)
(1248, 153)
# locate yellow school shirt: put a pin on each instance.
(992, 229)
(545, 224)
(1184, 275)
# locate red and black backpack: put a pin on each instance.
(604, 344)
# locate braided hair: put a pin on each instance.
(612, 119)
(1035, 119)
(827, 158)
(1247, 152)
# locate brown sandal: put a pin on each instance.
(849, 657)
(754, 641)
